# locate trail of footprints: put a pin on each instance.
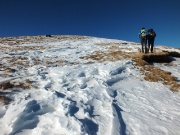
(73, 85)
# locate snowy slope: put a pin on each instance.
(56, 90)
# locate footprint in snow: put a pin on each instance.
(117, 71)
(112, 81)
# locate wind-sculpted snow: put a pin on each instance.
(68, 95)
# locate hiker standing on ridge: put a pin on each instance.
(151, 36)
(143, 38)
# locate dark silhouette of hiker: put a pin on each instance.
(143, 39)
(151, 37)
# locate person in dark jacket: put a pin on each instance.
(151, 37)
(143, 39)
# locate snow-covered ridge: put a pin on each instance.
(79, 85)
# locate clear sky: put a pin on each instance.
(114, 19)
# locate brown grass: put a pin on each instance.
(23, 62)
(173, 53)
(6, 85)
(71, 37)
(56, 63)
(27, 48)
(105, 56)
(155, 74)
(161, 57)
(4, 100)
(12, 85)
(113, 53)
(109, 44)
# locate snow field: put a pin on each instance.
(108, 98)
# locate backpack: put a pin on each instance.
(143, 33)
(152, 34)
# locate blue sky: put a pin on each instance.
(114, 19)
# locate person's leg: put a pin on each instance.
(142, 46)
(152, 46)
(148, 45)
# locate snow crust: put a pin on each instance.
(108, 98)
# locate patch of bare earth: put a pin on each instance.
(100, 56)
(153, 74)
(173, 53)
(4, 100)
(14, 85)
(112, 53)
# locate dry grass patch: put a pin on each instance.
(57, 63)
(113, 44)
(173, 53)
(27, 48)
(155, 74)
(5, 49)
(12, 85)
(6, 85)
(4, 100)
(113, 53)
(8, 49)
(132, 43)
(72, 37)
(107, 44)
(100, 56)
(161, 57)
(22, 62)
(90, 62)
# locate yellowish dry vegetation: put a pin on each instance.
(160, 57)
(12, 85)
(112, 53)
(24, 62)
(100, 56)
(173, 53)
(4, 100)
(108, 44)
(155, 74)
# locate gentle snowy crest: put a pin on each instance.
(57, 92)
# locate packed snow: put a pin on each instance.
(69, 95)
